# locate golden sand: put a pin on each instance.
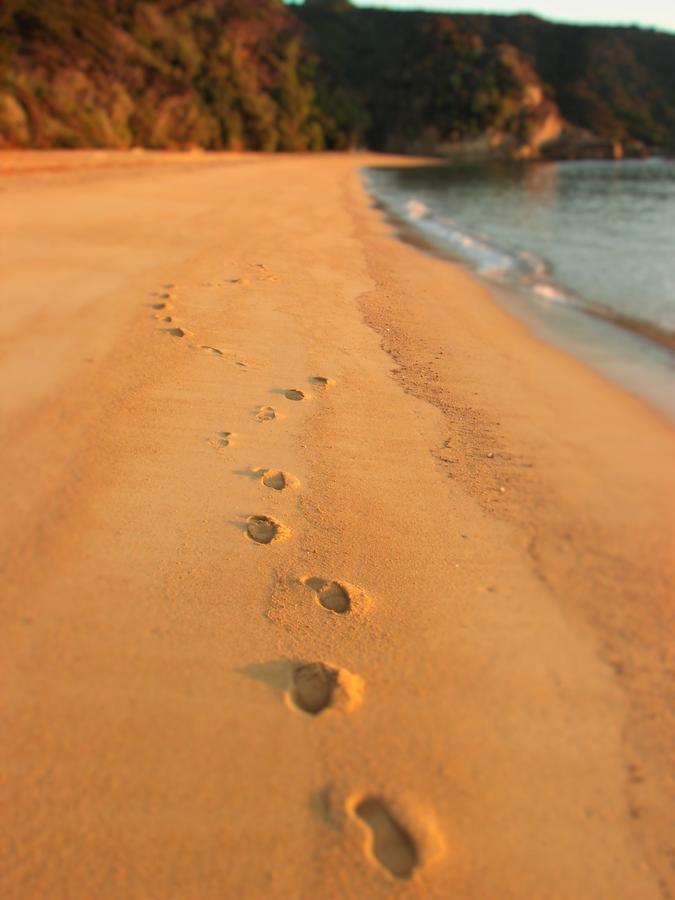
(336, 585)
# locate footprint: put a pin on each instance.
(317, 687)
(164, 306)
(259, 271)
(313, 687)
(213, 350)
(292, 394)
(321, 381)
(272, 478)
(331, 594)
(389, 843)
(265, 413)
(339, 596)
(221, 440)
(264, 530)
(178, 332)
(275, 480)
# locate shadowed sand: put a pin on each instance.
(196, 708)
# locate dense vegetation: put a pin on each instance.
(172, 73)
(617, 82)
(397, 80)
(257, 74)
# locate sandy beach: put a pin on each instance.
(322, 577)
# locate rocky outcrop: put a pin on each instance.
(577, 143)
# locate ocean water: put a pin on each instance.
(584, 252)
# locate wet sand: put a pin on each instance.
(322, 578)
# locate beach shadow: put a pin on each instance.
(241, 526)
(276, 674)
(320, 806)
(253, 474)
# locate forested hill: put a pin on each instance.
(256, 74)
(171, 73)
(410, 70)
(617, 82)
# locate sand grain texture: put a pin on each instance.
(477, 542)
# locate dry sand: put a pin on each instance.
(401, 632)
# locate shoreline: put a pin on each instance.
(617, 335)
(624, 653)
(498, 515)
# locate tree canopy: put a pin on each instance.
(255, 74)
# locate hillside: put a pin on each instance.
(420, 82)
(407, 70)
(228, 74)
(617, 82)
(255, 74)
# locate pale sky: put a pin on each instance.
(649, 13)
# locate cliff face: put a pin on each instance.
(255, 74)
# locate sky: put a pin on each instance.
(648, 13)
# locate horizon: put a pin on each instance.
(654, 14)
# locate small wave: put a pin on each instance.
(552, 292)
(521, 269)
(491, 261)
(415, 209)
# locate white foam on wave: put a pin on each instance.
(496, 271)
(492, 262)
(416, 209)
(552, 292)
